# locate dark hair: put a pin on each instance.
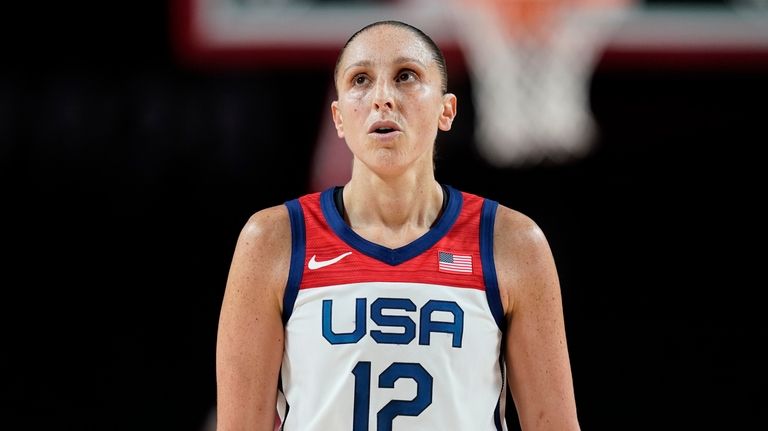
(437, 55)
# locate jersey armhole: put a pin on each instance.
(487, 223)
(296, 271)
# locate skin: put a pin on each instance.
(388, 78)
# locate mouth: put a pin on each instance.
(383, 128)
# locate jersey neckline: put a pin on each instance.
(391, 256)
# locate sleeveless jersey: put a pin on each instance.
(392, 339)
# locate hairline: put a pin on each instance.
(435, 53)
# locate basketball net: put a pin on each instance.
(530, 62)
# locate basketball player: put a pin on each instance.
(393, 302)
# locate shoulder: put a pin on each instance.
(268, 227)
(524, 263)
(515, 228)
(262, 255)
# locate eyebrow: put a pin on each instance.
(398, 60)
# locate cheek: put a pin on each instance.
(425, 106)
(355, 102)
(427, 117)
(356, 96)
(351, 111)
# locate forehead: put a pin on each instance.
(384, 44)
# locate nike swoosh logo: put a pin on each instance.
(315, 264)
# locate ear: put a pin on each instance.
(448, 113)
(337, 120)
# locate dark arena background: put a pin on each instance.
(130, 159)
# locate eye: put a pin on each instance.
(405, 76)
(359, 79)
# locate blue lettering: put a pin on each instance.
(350, 337)
(428, 326)
(408, 325)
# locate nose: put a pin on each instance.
(383, 96)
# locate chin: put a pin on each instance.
(386, 162)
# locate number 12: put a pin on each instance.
(387, 379)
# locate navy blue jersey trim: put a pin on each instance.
(487, 222)
(388, 255)
(298, 236)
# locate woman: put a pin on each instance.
(393, 302)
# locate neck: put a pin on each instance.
(406, 203)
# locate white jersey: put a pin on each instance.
(392, 339)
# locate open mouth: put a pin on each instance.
(383, 127)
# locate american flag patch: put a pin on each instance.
(452, 262)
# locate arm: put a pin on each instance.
(249, 345)
(538, 367)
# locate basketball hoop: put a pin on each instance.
(530, 63)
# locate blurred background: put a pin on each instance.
(136, 138)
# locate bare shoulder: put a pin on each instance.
(524, 263)
(262, 255)
(513, 222)
(250, 341)
(270, 224)
(536, 351)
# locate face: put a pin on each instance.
(390, 104)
